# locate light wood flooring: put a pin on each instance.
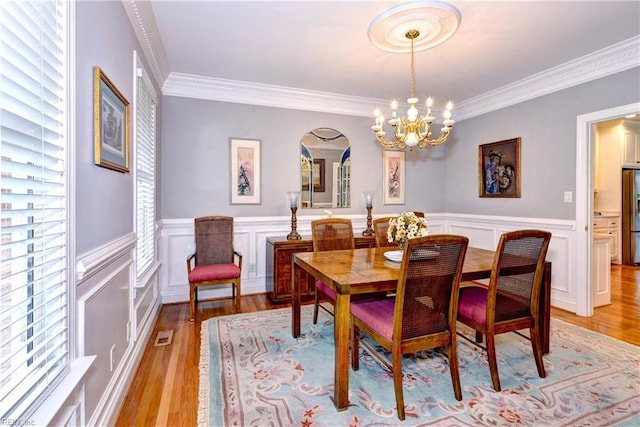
(164, 391)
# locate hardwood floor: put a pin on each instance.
(619, 320)
(164, 391)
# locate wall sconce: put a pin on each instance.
(368, 197)
(293, 200)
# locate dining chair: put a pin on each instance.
(510, 302)
(329, 234)
(332, 234)
(215, 261)
(380, 227)
(422, 315)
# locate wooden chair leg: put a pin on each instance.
(355, 348)
(192, 302)
(453, 367)
(238, 297)
(493, 363)
(537, 351)
(316, 305)
(396, 368)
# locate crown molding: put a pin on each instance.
(143, 21)
(190, 86)
(616, 58)
(604, 62)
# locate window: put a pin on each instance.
(145, 142)
(34, 330)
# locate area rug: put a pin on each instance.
(254, 373)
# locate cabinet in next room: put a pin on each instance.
(608, 226)
(631, 144)
(601, 271)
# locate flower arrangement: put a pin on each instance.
(406, 226)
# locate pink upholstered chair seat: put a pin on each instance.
(326, 290)
(378, 314)
(203, 273)
(473, 305)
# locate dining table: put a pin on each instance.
(361, 271)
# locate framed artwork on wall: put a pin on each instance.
(245, 171)
(393, 183)
(110, 124)
(318, 173)
(499, 169)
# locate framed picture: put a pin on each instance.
(393, 183)
(499, 169)
(245, 171)
(318, 173)
(110, 124)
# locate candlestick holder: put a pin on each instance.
(369, 230)
(367, 196)
(294, 224)
(293, 197)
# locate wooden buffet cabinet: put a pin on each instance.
(279, 255)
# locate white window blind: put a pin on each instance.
(145, 110)
(33, 278)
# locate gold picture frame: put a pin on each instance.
(318, 173)
(499, 169)
(111, 134)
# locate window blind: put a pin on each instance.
(145, 174)
(33, 284)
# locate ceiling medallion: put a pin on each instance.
(411, 27)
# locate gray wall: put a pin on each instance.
(195, 150)
(104, 198)
(195, 160)
(547, 126)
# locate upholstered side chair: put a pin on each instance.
(423, 313)
(215, 262)
(510, 302)
(329, 234)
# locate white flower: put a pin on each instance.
(406, 226)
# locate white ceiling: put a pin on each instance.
(323, 45)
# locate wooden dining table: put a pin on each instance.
(361, 271)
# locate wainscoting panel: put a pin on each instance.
(252, 232)
(104, 318)
(482, 237)
(484, 232)
(115, 318)
(564, 287)
(145, 300)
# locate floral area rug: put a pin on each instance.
(254, 373)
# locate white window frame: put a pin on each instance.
(146, 247)
(44, 402)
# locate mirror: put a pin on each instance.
(325, 169)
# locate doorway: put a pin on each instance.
(585, 155)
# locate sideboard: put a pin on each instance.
(279, 253)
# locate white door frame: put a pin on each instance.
(585, 151)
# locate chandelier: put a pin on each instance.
(430, 22)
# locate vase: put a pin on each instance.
(402, 245)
